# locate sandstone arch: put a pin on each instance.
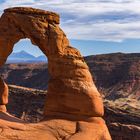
(72, 94)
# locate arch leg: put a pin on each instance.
(3, 95)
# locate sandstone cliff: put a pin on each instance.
(73, 107)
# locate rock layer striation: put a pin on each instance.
(73, 106)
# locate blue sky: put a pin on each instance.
(93, 26)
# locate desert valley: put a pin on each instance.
(117, 77)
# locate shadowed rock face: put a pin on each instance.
(73, 103)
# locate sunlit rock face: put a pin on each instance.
(73, 107)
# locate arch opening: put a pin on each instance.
(25, 69)
(24, 77)
(26, 52)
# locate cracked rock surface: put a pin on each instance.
(73, 107)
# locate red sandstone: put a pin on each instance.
(74, 108)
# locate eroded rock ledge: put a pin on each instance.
(73, 109)
(50, 16)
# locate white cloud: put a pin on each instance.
(109, 20)
(110, 31)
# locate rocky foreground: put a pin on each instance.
(27, 104)
(27, 121)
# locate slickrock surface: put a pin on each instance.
(27, 104)
(74, 107)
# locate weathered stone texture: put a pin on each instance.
(74, 107)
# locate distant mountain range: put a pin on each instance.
(24, 57)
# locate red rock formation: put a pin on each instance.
(3, 95)
(119, 121)
(73, 103)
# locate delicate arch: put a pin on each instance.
(70, 89)
(71, 94)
